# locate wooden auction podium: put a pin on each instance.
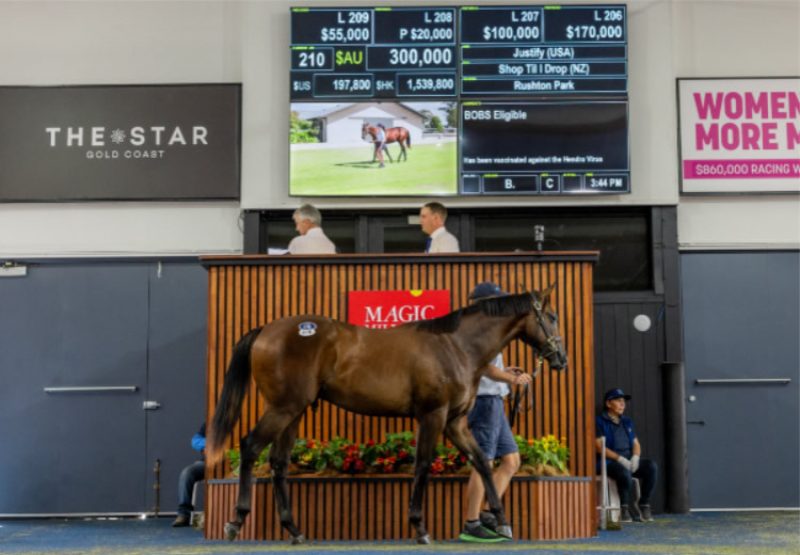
(249, 291)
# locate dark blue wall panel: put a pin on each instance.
(98, 323)
(742, 322)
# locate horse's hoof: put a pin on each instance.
(505, 531)
(424, 540)
(298, 540)
(232, 530)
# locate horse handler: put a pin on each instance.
(380, 143)
(489, 425)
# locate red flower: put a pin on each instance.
(370, 443)
(413, 443)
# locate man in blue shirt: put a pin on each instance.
(623, 457)
(189, 476)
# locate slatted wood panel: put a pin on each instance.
(375, 508)
(250, 291)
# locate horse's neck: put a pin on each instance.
(484, 337)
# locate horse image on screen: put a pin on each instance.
(365, 149)
(379, 136)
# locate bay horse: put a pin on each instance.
(399, 135)
(428, 370)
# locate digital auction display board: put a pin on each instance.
(373, 53)
(532, 50)
(544, 147)
(380, 65)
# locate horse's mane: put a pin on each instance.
(509, 305)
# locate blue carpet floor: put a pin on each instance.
(756, 533)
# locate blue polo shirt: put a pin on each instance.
(616, 434)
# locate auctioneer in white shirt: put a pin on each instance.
(313, 242)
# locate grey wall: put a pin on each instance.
(742, 322)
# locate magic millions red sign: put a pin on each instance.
(387, 309)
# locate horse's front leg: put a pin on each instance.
(430, 428)
(457, 432)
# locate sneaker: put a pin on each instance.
(181, 521)
(647, 514)
(630, 514)
(489, 521)
(479, 534)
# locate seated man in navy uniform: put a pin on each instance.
(623, 457)
(189, 475)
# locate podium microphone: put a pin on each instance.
(538, 236)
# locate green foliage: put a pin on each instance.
(452, 115)
(396, 454)
(302, 131)
(544, 451)
(317, 456)
(349, 170)
(234, 459)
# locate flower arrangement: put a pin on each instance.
(396, 455)
(545, 456)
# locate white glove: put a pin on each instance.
(625, 462)
(634, 463)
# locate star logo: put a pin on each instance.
(118, 136)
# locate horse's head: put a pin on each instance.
(541, 330)
(367, 132)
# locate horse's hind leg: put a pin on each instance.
(269, 427)
(279, 457)
(430, 428)
(457, 432)
(403, 156)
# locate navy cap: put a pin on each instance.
(616, 393)
(485, 290)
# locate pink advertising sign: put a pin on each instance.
(739, 135)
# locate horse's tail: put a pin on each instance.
(229, 406)
(408, 138)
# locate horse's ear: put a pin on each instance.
(546, 294)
